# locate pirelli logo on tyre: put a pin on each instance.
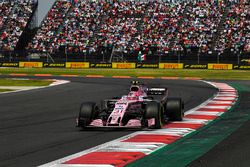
(123, 65)
(31, 64)
(171, 65)
(220, 66)
(3, 64)
(77, 65)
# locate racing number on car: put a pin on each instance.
(118, 111)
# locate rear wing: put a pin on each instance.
(157, 91)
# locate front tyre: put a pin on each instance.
(174, 109)
(88, 112)
(154, 110)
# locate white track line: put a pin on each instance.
(55, 83)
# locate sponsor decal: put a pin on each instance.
(121, 103)
(77, 65)
(195, 66)
(157, 89)
(171, 65)
(119, 107)
(241, 67)
(31, 64)
(101, 65)
(3, 64)
(141, 65)
(123, 65)
(52, 65)
(220, 66)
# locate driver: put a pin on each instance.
(132, 96)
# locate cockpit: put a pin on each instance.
(132, 96)
(134, 88)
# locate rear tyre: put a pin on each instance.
(154, 110)
(174, 109)
(88, 112)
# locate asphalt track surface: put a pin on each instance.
(38, 126)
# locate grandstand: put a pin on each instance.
(14, 19)
(197, 31)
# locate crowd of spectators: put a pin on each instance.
(247, 27)
(96, 25)
(79, 26)
(5, 9)
(199, 26)
(235, 36)
(160, 25)
(119, 25)
(16, 15)
(130, 26)
(44, 40)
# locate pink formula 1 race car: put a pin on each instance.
(138, 109)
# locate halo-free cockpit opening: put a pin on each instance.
(134, 88)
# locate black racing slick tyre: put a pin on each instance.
(154, 110)
(174, 109)
(88, 111)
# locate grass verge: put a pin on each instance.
(5, 90)
(204, 74)
(21, 82)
